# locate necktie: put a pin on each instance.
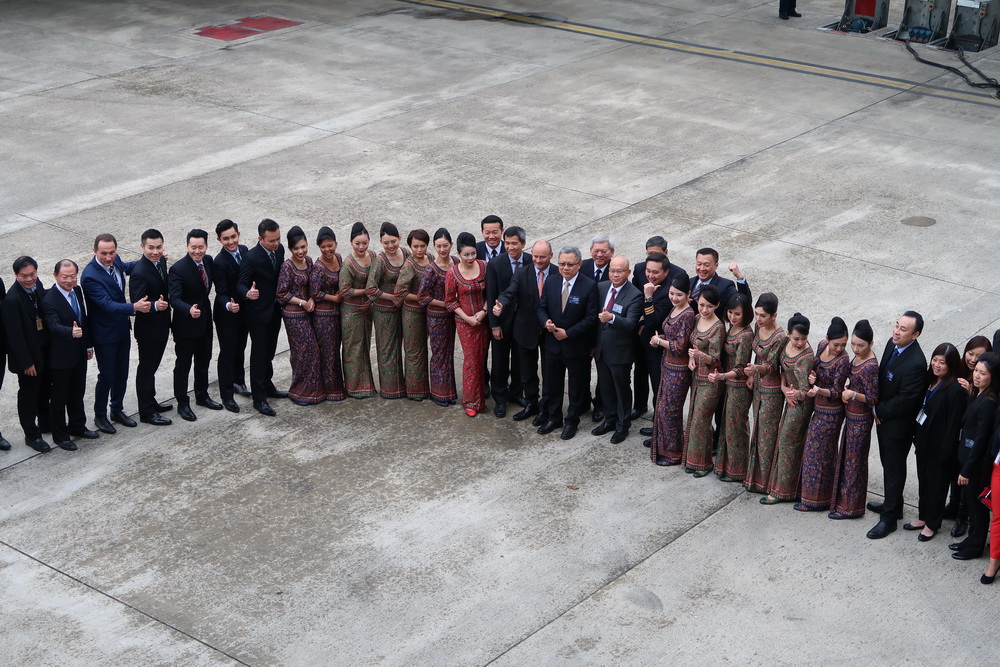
(76, 305)
(114, 276)
(565, 294)
(204, 276)
(541, 282)
(238, 258)
(895, 353)
(611, 301)
(597, 275)
(162, 271)
(34, 299)
(274, 261)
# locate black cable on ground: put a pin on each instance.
(987, 83)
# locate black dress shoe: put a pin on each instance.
(606, 427)
(242, 390)
(568, 432)
(68, 445)
(123, 419)
(164, 407)
(276, 393)
(4, 445)
(539, 420)
(264, 409)
(783, 17)
(910, 526)
(231, 405)
(207, 402)
(500, 410)
(967, 555)
(548, 427)
(186, 413)
(598, 416)
(38, 445)
(648, 442)
(520, 400)
(619, 437)
(636, 413)
(794, 14)
(646, 431)
(874, 507)
(956, 546)
(529, 410)
(926, 538)
(104, 426)
(156, 419)
(87, 434)
(881, 529)
(960, 528)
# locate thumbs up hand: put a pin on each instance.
(253, 293)
(497, 308)
(195, 312)
(77, 331)
(233, 306)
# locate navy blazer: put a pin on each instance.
(521, 298)
(481, 249)
(145, 281)
(579, 319)
(27, 345)
(186, 290)
(727, 288)
(498, 276)
(106, 304)
(900, 397)
(614, 339)
(64, 350)
(587, 269)
(257, 268)
(225, 278)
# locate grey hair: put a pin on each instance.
(571, 250)
(603, 238)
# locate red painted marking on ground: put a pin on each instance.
(266, 23)
(226, 32)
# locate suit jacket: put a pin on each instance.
(945, 409)
(614, 339)
(257, 268)
(639, 274)
(3, 335)
(64, 350)
(579, 319)
(498, 276)
(27, 345)
(521, 297)
(587, 269)
(109, 311)
(727, 288)
(188, 289)
(978, 435)
(481, 250)
(145, 281)
(899, 398)
(651, 324)
(225, 278)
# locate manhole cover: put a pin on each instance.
(919, 221)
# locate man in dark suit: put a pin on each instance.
(258, 285)
(4, 445)
(521, 297)
(148, 280)
(27, 351)
(103, 285)
(656, 307)
(621, 305)
(656, 245)
(567, 311)
(505, 378)
(70, 348)
(602, 249)
(902, 381)
(190, 283)
(491, 245)
(229, 321)
(706, 266)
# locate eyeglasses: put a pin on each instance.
(567, 265)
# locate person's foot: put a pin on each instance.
(207, 402)
(598, 416)
(548, 427)
(698, 474)
(874, 507)
(602, 429)
(87, 434)
(276, 393)
(769, 500)
(68, 445)
(619, 437)
(123, 419)
(539, 420)
(794, 14)
(185, 412)
(837, 516)
(4, 445)
(242, 390)
(231, 405)
(156, 419)
(38, 445)
(914, 525)
(961, 527)
(104, 426)
(637, 412)
(783, 16)
(991, 572)
(500, 410)
(471, 412)
(568, 432)
(264, 409)
(530, 410)
(881, 529)
(646, 431)
(926, 534)
(967, 555)
(164, 407)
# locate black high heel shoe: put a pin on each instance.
(987, 579)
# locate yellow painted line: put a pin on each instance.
(749, 58)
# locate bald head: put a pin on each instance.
(541, 254)
(618, 270)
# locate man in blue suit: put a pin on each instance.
(568, 313)
(103, 285)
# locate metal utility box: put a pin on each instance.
(976, 26)
(864, 15)
(923, 21)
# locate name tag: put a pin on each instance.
(617, 308)
(888, 376)
(574, 299)
(921, 417)
(969, 442)
(39, 324)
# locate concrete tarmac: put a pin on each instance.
(839, 172)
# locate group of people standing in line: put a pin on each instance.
(651, 330)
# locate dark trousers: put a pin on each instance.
(506, 364)
(112, 376)
(263, 345)
(979, 515)
(33, 404)
(654, 355)
(640, 375)
(557, 368)
(616, 393)
(528, 364)
(187, 350)
(66, 397)
(892, 452)
(786, 6)
(150, 356)
(232, 357)
(933, 479)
